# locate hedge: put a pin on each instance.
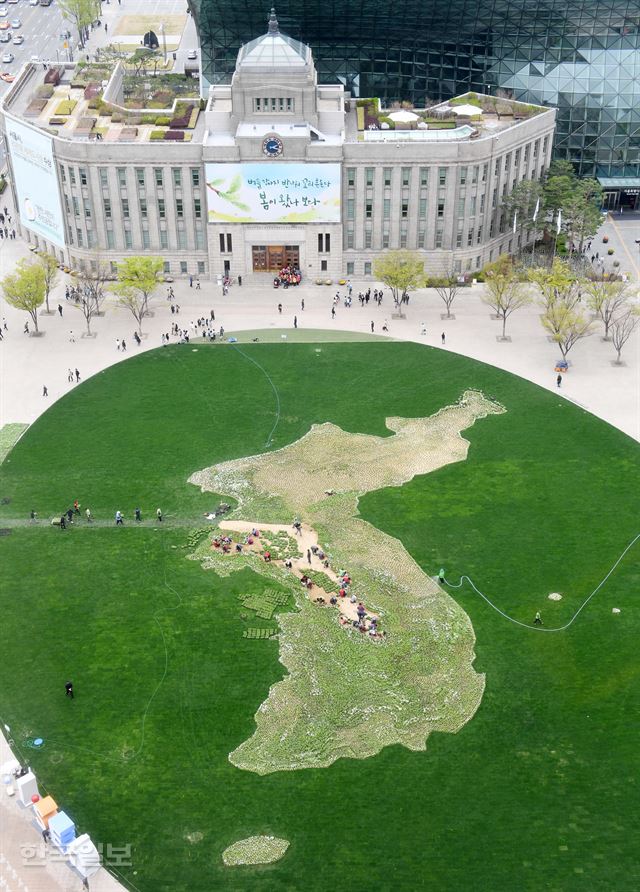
(65, 107)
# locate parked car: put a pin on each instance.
(4, 13)
(8, 58)
(192, 54)
(6, 76)
(18, 39)
(15, 23)
(5, 36)
(12, 1)
(4, 26)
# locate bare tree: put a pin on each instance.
(133, 301)
(607, 298)
(621, 330)
(447, 287)
(50, 269)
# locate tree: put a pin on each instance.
(607, 298)
(402, 272)
(50, 269)
(92, 287)
(138, 278)
(505, 292)
(447, 287)
(557, 284)
(622, 328)
(566, 325)
(24, 289)
(81, 13)
(581, 216)
(521, 204)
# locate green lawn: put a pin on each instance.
(538, 790)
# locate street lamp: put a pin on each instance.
(164, 42)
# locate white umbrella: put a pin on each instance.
(468, 110)
(403, 117)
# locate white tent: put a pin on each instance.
(468, 110)
(403, 117)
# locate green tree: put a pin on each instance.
(521, 202)
(566, 325)
(622, 328)
(402, 272)
(505, 292)
(50, 269)
(25, 288)
(557, 284)
(607, 298)
(579, 201)
(81, 13)
(138, 278)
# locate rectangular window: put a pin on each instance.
(461, 202)
(327, 242)
(424, 177)
(87, 208)
(474, 175)
(485, 172)
(494, 198)
(104, 177)
(479, 236)
(351, 208)
(403, 238)
(111, 242)
(439, 236)
(66, 203)
(368, 210)
(76, 206)
(157, 172)
(369, 175)
(125, 208)
(422, 208)
(459, 233)
(140, 177)
(386, 208)
(143, 208)
(183, 267)
(526, 153)
(195, 177)
(406, 176)
(516, 159)
(201, 267)
(350, 268)
(367, 238)
(470, 237)
(179, 209)
(161, 209)
(386, 175)
(350, 238)
(229, 244)
(472, 206)
(482, 203)
(320, 242)
(442, 176)
(90, 239)
(507, 162)
(404, 210)
(122, 177)
(385, 239)
(128, 240)
(200, 239)
(177, 177)
(440, 209)
(367, 268)
(146, 241)
(463, 176)
(197, 208)
(72, 176)
(166, 268)
(62, 174)
(496, 169)
(536, 149)
(79, 236)
(351, 176)
(222, 243)
(164, 238)
(182, 239)
(83, 176)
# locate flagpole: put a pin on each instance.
(535, 229)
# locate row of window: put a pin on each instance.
(274, 104)
(69, 175)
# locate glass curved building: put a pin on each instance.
(581, 56)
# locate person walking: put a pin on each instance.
(295, 321)
(333, 312)
(77, 376)
(441, 576)
(443, 337)
(279, 308)
(197, 284)
(63, 522)
(372, 326)
(559, 381)
(88, 515)
(159, 514)
(119, 519)
(117, 343)
(60, 309)
(124, 346)
(45, 392)
(70, 376)
(138, 515)
(302, 304)
(538, 619)
(26, 327)
(308, 555)
(68, 689)
(190, 281)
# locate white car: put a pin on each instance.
(4, 13)
(8, 58)
(16, 23)
(18, 39)
(31, 2)
(192, 54)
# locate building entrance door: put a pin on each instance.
(273, 258)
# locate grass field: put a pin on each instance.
(537, 791)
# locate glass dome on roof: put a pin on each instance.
(274, 50)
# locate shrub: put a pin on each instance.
(162, 121)
(117, 117)
(148, 119)
(3, 184)
(157, 134)
(174, 134)
(44, 91)
(193, 118)
(179, 123)
(65, 107)
(57, 122)
(383, 119)
(610, 251)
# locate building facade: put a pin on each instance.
(280, 171)
(582, 57)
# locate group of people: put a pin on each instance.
(5, 232)
(67, 518)
(137, 514)
(203, 328)
(288, 275)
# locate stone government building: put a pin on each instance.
(276, 169)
